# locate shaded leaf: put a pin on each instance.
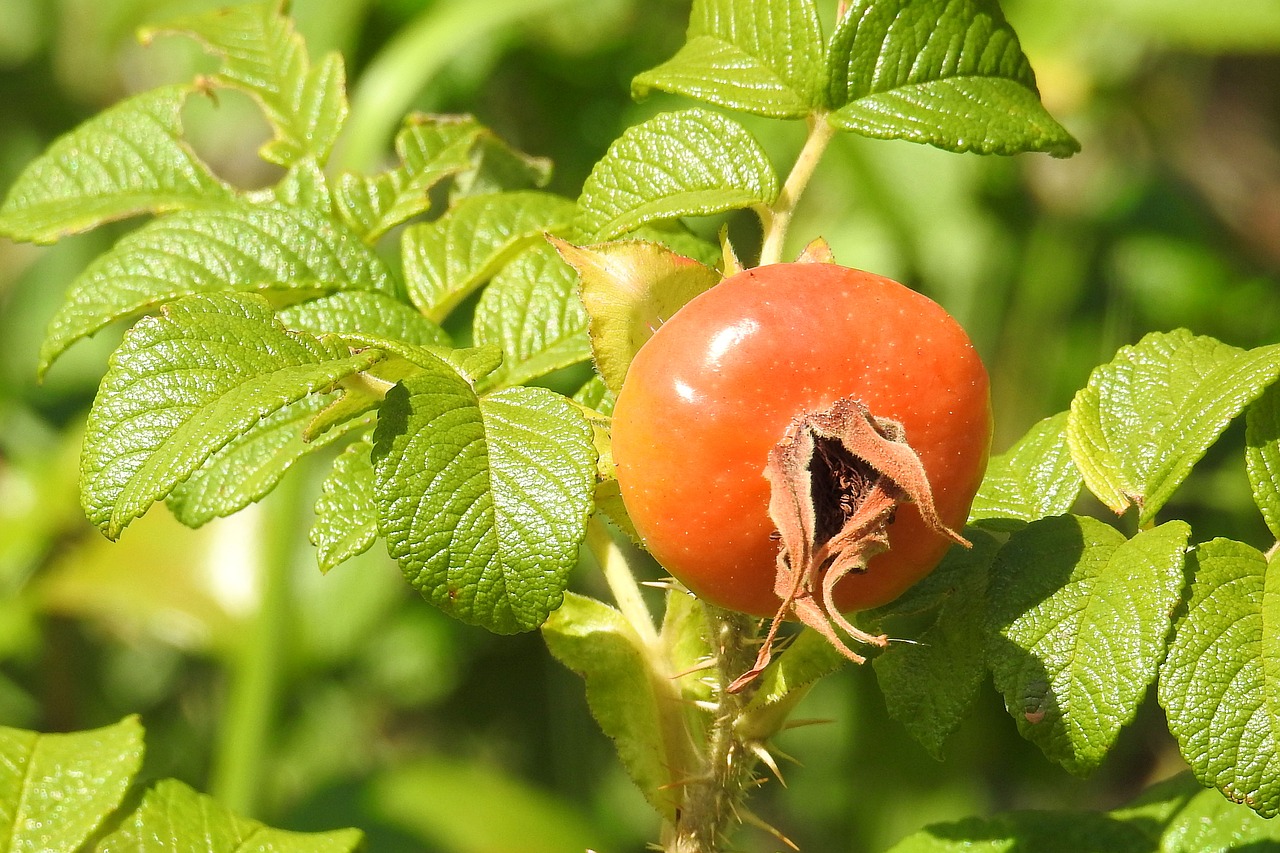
(1192, 819)
(930, 680)
(531, 311)
(447, 259)
(765, 58)
(629, 289)
(128, 159)
(187, 383)
(949, 73)
(347, 511)
(1039, 831)
(1078, 620)
(1262, 455)
(690, 163)
(1145, 419)
(57, 789)
(243, 249)
(1033, 479)
(1220, 684)
(636, 707)
(483, 502)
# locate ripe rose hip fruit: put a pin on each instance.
(715, 389)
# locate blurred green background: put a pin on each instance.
(431, 735)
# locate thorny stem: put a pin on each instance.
(777, 218)
(711, 799)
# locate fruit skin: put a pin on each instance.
(715, 387)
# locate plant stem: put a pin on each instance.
(622, 582)
(257, 667)
(777, 218)
(711, 799)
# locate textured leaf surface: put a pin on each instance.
(1220, 685)
(629, 289)
(531, 310)
(594, 640)
(346, 512)
(949, 73)
(765, 58)
(363, 312)
(690, 163)
(243, 249)
(447, 259)
(184, 385)
(253, 464)
(264, 57)
(1078, 622)
(1033, 479)
(1262, 455)
(430, 148)
(1193, 819)
(483, 502)
(931, 680)
(174, 818)
(126, 160)
(1145, 419)
(56, 789)
(808, 658)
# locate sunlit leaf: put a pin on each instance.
(346, 511)
(1033, 479)
(1262, 455)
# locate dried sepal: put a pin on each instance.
(836, 478)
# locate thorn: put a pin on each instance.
(746, 816)
(702, 667)
(766, 759)
(797, 724)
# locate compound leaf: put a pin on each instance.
(949, 73)
(764, 58)
(1220, 685)
(263, 56)
(629, 289)
(187, 383)
(1145, 419)
(57, 789)
(483, 502)
(1077, 623)
(447, 259)
(430, 148)
(346, 512)
(531, 310)
(931, 680)
(127, 160)
(1033, 479)
(174, 818)
(690, 163)
(626, 697)
(232, 248)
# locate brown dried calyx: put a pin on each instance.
(836, 478)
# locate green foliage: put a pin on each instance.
(1033, 479)
(67, 792)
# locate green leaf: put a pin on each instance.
(637, 708)
(808, 658)
(930, 680)
(531, 310)
(949, 73)
(127, 160)
(187, 383)
(57, 789)
(363, 312)
(174, 818)
(347, 511)
(690, 163)
(241, 249)
(497, 167)
(1145, 419)
(430, 148)
(1262, 455)
(249, 467)
(1220, 684)
(629, 289)
(1191, 819)
(1078, 621)
(264, 57)
(483, 502)
(1041, 832)
(765, 58)
(1033, 479)
(446, 260)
